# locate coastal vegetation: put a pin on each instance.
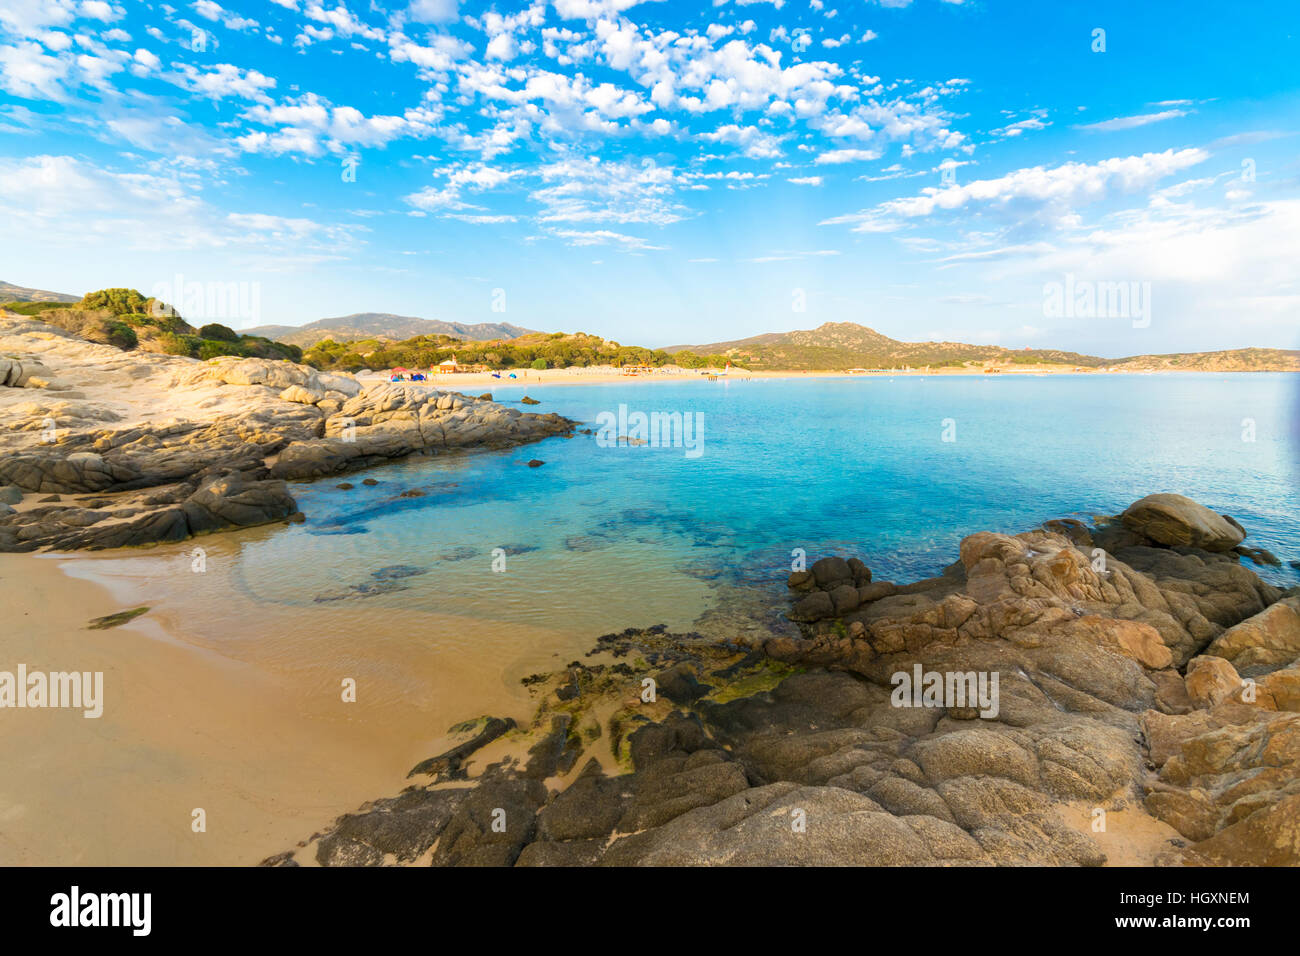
(538, 350)
(129, 320)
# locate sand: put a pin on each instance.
(476, 382)
(268, 753)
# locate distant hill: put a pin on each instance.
(840, 345)
(1231, 360)
(384, 325)
(16, 293)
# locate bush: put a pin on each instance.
(211, 348)
(163, 323)
(32, 308)
(539, 364)
(174, 344)
(117, 301)
(220, 333)
(121, 335)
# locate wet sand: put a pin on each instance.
(268, 750)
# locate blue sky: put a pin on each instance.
(662, 172)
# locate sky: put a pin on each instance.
(664, 172)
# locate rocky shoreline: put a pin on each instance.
(158, 448)
(1148, 686)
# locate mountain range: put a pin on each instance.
(384, 325)
(17, 293)
(832, 345)
(838, 345)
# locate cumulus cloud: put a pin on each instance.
(311, 125)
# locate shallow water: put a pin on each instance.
(857, 464)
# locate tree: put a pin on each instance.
(117, 301)
(539, 364)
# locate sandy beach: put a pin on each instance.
(266, 749)
(600, 375)
(262, 743)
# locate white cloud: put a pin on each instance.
(1132, 122)
(592, 190)
(752, 141)
(838, 156)
(26, 70)
(1034, 193)
(433, 11)
(72, 202)
(593, 9)
(603, 237)
(311, 125)
(223, 80)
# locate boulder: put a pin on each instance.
(302, 395)
(815, 607)
(1210, 681)
(1177, 521)
(232, 501)
(1270, 638)
(831, 572)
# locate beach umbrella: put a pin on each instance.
(399, 369)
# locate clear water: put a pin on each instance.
(629, 536)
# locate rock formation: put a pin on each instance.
(163, 447)
(1156, 684)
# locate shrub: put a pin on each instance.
(211, 348)
(174, 344)
(117, 301)
(214, 330)
(121, 335)
(32, 308)
(539, 364)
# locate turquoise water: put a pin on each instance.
(636, 535)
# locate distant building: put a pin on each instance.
(450, 366)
